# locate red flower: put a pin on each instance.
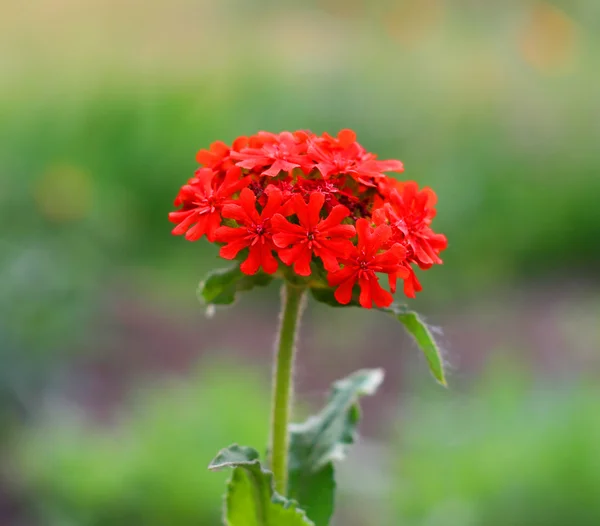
(214, 156)
(278, 153)
(325, 238)
(312, 202)
(254, 232)
(365, 260)
(334, 190)
(409, 212)
(411, 283)
(343, 155)
(218, 156)
(202, 199)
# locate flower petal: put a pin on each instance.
(268, 261)
(273, 204)
(253, 261)
(284, 239)
(365, 298)
(381, 297)
(231, 250)
(289, 255)
(343, 231)
(213, 223)
(198, 230)
(344, 292)
(337, 214)
(281, 224)
(226, 234)
(336, 278)
(302, 263)
(317, 199)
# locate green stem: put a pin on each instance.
(292, 302)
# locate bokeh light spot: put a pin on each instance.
(410, 23)
(548, 40)
(63, 193)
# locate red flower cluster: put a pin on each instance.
(321, 205)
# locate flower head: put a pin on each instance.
(254, 231)
(367, 259)
(325, 238)
(203, 199)
(343, 155)
(319, 208)
(274, 154)
(409, 212)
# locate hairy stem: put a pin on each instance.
(292, 302)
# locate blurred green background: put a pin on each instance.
(116, 391)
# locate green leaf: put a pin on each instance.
(418, 329)
(251, 499)
(412, 322)
(323, 438)
(221, 286)
(315, 491)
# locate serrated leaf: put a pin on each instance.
(221, 286)
(251, 499)
(419, 330)
(328, 433)
(323, 438)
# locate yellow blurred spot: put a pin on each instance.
(548, 40)
(63, 193)
(411, 22)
